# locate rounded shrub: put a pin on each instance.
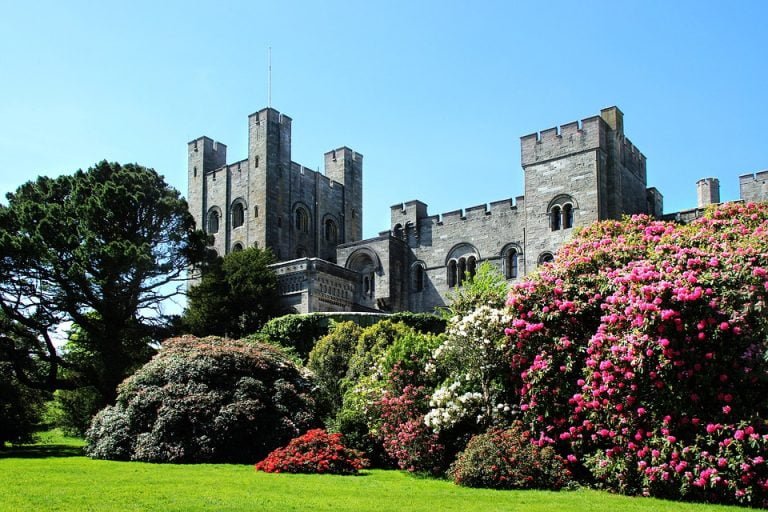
(205, 400)
(317, 451)
(507, 459)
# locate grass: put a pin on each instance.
(53, 475)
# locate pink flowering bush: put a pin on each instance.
(641, 354)
(317, 451)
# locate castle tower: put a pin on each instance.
(204, 156)
(707, 192)
(346, 167)
(269, 162)
(579, 173)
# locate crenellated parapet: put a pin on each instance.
(576, 137)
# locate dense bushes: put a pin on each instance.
(315, 452)
(507, 459)
(20, 408)
(205, 400)
(641, 354)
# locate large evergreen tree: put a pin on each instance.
(235, 297)
(102, 248)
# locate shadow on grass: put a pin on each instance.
(41, 451)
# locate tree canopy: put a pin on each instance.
(102, 248)
(236, 295)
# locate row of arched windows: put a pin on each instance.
(461, 269)
(301, 220)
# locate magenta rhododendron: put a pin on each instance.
(641, 352)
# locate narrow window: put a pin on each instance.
(567, 216)
(461, 271)
(238, 215)
(213, 222)
(471, 267)
(331, 232)
(451, 273)
(510, 264)
(555, 218)
(418, 278)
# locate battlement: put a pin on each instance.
(206, 155)
(576, 137)
(342, 153)
(270, 115)
(748, 178)
(481, 210)
(634, 159)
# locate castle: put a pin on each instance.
(575, 174)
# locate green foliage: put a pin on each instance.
(507, 459)
(299, 332)
(113, 240)
(329, 361)
(72, 410)
(235, 297)
(20, 408)
(205, 400)
(422, 322)
(487, 288)
(371, 344)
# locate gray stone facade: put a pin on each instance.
(575, 174)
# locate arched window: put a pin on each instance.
(546, 257)
(237, 247)
(471, 267)
(561, 212)
(567, 216)
(238, 214)
(452, 274)
(417, 277)
(398, 231)
(331, 231)
(555, 218)
(302, 220)
(213, 220)
(510, 263)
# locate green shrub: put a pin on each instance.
(299, 332)
(72, 410)
(205, 400)
(329, 360)
(20, 408)
(422, 322)
(507, 459)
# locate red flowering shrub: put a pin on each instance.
(317, 451)
(507, 459)
(639, 340)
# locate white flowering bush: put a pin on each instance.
(473, 358)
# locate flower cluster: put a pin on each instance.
(317, 451)
(639, 340)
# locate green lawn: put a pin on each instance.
(53, 475)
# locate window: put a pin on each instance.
(213, 220)
(452, 280)
(238, 214)
(398, 231)
(546, 257)
(561, 212)
(567, 216)
(555, 217)
(510, 263)
(417, 277)
(237, 247)
(302, 220)
(331, 231)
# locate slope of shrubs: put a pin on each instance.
(205, 400)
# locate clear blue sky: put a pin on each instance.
(435, 94)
